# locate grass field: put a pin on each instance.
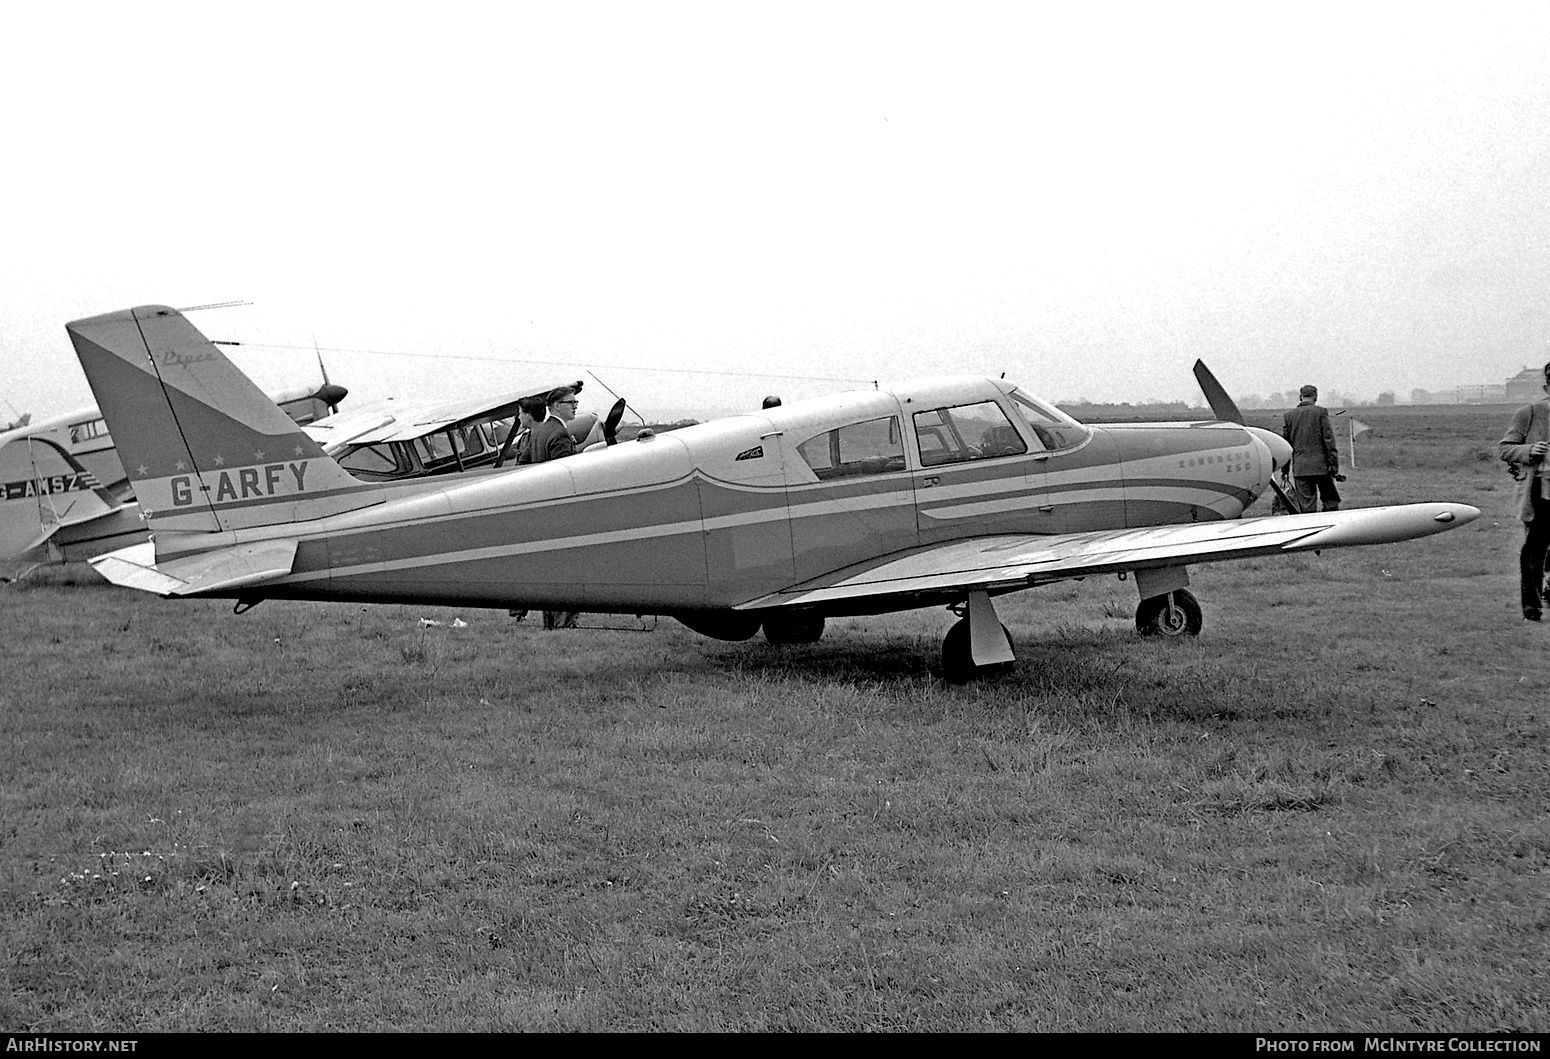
(1327, 813)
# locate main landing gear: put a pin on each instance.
(793, 628)
(977, 645)
(1175, 613)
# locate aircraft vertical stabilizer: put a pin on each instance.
(203, 446)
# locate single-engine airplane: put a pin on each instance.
(63, 493)
(937, 492)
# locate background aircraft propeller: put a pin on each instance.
(330, 393)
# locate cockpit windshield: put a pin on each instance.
(1055, 429)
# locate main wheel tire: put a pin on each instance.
(958, 658)
(732, 625)
(793, 628)
(1175, 613)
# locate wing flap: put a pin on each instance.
(207, 573)
(1023, 561)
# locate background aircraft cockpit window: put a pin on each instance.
(371, 462)
(437, 449)
(967, 432)
(471, 440)
(434, 448)
(495, 431)
(1056, 429)
(873, 447)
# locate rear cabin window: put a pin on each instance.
(966, 432)
(873, 447)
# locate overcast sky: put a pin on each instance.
(1084, 196)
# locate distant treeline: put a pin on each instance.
(1157, 411)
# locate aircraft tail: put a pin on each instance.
(42, 489)
(203, 446)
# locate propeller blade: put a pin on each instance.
(1222, 406)
(611, 422)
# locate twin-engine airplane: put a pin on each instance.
(944, 491)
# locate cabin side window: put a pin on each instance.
(966, 432)
(873, 447)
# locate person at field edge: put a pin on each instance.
(1315, 459)
(1524, 447)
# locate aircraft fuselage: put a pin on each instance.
(713, 516)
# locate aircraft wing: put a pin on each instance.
(1005, 563)
(214, 571)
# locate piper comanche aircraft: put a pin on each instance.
(63, 493)
(938, 492)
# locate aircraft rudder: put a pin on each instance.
(203, 446)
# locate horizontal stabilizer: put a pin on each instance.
(207, 573)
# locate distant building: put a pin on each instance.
(1485, 393)
(1526, 385)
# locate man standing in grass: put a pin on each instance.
(1524, 447)
(1315, 459)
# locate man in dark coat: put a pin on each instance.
(1524, 447)
(550, 437)
(1315, 459)
(550, 440)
